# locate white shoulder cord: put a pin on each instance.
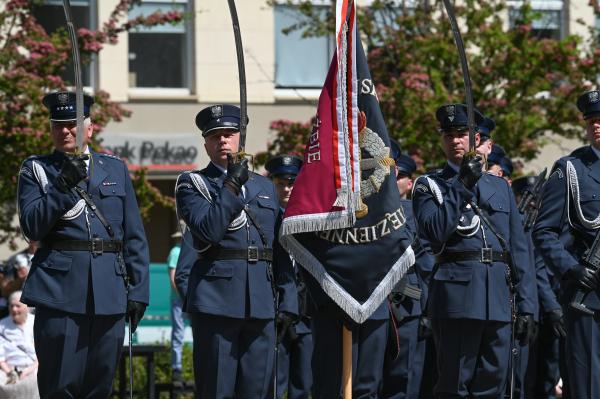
(435, 189)
(464, 231)
(237, 223)
(573, 186)
(200, 185)
(42, 179)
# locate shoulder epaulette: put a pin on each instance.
(40, 157)
(103, 154)
(579, 151)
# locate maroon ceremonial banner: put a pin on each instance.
(344, 222)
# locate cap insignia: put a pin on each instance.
(594, 96)
(216, 111)
(450, 112)
(63, 98)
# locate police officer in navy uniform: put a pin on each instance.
(295, 349)
(566, 226)
(77, 278)
(405, 355)
(498, 163)
(470, 289)
(485, 128)
(234, 283)
(540, 372)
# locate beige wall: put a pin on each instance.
(113, 61)
(216, 66)
(159, 113)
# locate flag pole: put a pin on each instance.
(347, 362)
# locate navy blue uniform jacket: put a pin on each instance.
(233, 288)
(77, 281)
(471, 289)
(422, 268)
(559, 234)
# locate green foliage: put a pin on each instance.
(162, 371)
(527, 84)
(291, 139)
(31, 63)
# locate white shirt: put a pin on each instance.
(16, 344)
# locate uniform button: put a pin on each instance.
(92, 215)
(593, 195)
(113, 191)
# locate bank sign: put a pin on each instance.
(168, 151)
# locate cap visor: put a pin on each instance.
(207, 133)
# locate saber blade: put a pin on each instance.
(462, 55)
(242, 74)
(77, 69)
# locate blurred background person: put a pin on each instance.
(177, 318)
(18, 361)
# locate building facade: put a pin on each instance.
(166, 74)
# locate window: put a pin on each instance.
(549, 24)
(51, 16)
(299, 62)
(160, 56)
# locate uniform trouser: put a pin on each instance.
(294, 374)
(368, 351)
(520, 365)
(232, 357)
(177, 333)
(472, 357)
(430, 377)
(402, 375)
(582, 352)
(78, 353)
(543, 366)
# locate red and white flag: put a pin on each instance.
(344, 222)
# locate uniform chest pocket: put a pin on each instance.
(590, 204)
(111, 201)
(499, 206)
(454, 274)
(266, 203)
(57, 261)
(219, 271)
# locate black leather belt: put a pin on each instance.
(96, 245)
(485, 255)
(251, 254)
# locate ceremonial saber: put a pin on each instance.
(347, 362)
(466, 76)
(242, 78)
(77, 69)
(462, 55)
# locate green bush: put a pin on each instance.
(162, 367)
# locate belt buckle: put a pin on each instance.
(252, 253)
(97, 246)
(486, 255)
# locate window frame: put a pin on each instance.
(541, 6)
(93, 17)
(180, 93)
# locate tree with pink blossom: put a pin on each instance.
(32, 62)
(527, 82)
